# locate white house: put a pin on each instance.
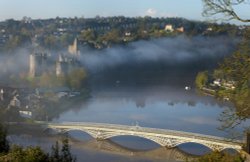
(217, 82)
(169, 28)
(25, 114)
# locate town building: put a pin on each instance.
(180, 29)
(15, 102)
(224, 84)
(25, 114)
(169, 28)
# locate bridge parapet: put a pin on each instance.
(168, 138)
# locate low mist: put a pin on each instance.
(168, 54)
(171, 51)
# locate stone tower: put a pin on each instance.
(32, 65)
(38, 64)
(62, 66)
(1, 94)
(58, 69)
(73, 49)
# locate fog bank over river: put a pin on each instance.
(172, 51)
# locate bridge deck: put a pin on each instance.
(149, 130)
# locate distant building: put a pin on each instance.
(38, 64)
(15, 102)
(1, 95)
(62, 66)
(229, 85)
(65, 64)
(73, 49)
(25, 114)
(169, 28)
(209, 29)
(217, 82)
(180, 29)
(225, 84)
(127, 34)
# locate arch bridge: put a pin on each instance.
(164, 137)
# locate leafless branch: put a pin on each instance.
(225, 7)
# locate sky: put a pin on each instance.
(17, 9)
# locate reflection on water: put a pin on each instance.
(123, 148)
(105, 150)
(169, 107)
(159, 153)
(162, 106)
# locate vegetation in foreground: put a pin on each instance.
(232, 83)
(220, 157)
(33, 154)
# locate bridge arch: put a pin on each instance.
(107, 135)
(161, 141)
(90, 133)
(168, 138)
(226, 148)
(212, 147)
(124, 140)
(169, 142)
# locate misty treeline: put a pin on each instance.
(234, 69)
(75, 79)
(158, 60)
(14, 70)
(99, 32)
(14, 153)
(174, 52)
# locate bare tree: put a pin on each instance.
(225, 7)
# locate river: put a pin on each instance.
(148, 94)
(158, 106)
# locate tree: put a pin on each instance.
(55, 156)
(29, 154)
(201, 79)
(76, 78)
(36, 154)
(88, 35)
(50, 42)
(4, 144)
(65, 152)
(113, 36)
(237, 68)
(219, 157)
(224, 7)
(66, 39)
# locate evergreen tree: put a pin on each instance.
(55, 156)
(4, 144)
(65, 152)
